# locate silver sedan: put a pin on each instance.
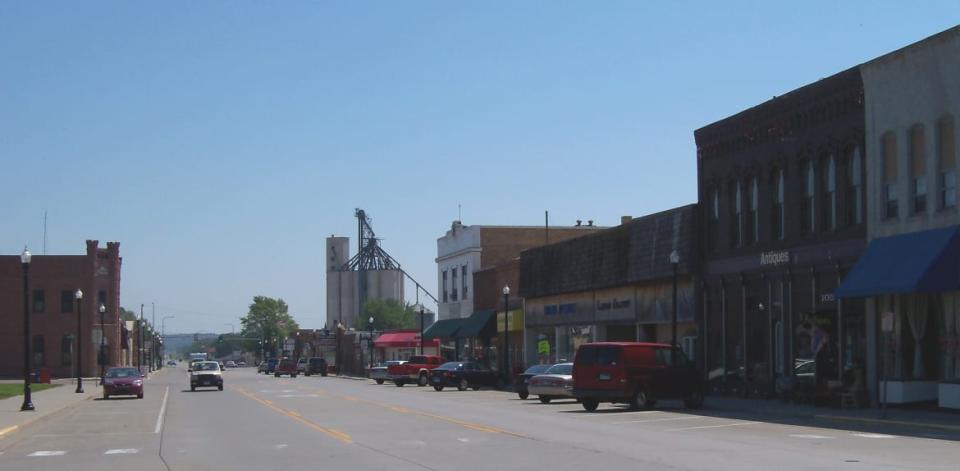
(555, 383)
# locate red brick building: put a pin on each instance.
(53, 280)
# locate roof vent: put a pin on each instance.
(625, 219)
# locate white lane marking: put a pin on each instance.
(281, 446)
(710, 426)
(872, 435)
(810, 436)
(616, 414)
(656, 420)
(163, 409)
(299, 395)
(48, 453)
(463, 440)
(122, 451)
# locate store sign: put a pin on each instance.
(613, 304)
(559, 309)
(827, 298)
(774, 258)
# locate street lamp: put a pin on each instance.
(421, 330)
(101, 356)
(163, 329)
(339, 334)
(25, 264)
(675, 261)
(370, 324)
(506, 332)
(79, 296)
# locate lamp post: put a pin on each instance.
(140, 342)
(421, 330)
(674, 260)
(163, 328)
(506, 332)
(101, 356)
(370, 324)
(25, 264)
(79, 296)
(337, 357)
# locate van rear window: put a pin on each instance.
(601, 356)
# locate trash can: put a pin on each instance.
(44, 376)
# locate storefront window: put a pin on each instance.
(950, 336)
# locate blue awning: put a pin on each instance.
(918, 262)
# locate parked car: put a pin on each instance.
(464, 375)
(241, 363)
(286, 367)
(415, 370)
(171, 363)
(555, 383)
(316, 365)
(634, 373)
(302, 365)
(206, 374)
(122, 382)
(379, 373)
(269, 366)
(523, 378)
(230, 364)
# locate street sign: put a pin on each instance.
(886, 322)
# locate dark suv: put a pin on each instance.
(316, 365)
(634, 373)
(286, 367)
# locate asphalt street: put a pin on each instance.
(264, 423)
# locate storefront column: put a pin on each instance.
(743, 340)
(873, 350)
(770, 334)
(705, 333)
(789, 333)
(723, 327)
(839, 339)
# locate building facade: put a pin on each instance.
(466, 249)
(614, 285)
(912, 106)
(53, 281)
(781, 189)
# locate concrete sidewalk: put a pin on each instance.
(908, 417)
(47, 402)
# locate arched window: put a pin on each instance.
(854, 201)
(891, 207)
(918, 169)
(829, 200)
(808, 216)
(754, 222)
(778, 217)
(736, 219)
(713, 217)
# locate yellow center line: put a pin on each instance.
(343, 437)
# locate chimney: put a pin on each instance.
(625, 219)
(590, 223)
(579, 222)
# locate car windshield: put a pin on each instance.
(123, 373)
(207, 366)
(418, 359)
(537, 369)
(561, 369)
(453, 365)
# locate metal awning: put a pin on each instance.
(443, 329)
(477, 324)
(918, 262)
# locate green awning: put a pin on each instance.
(478, 324)
(443, 329)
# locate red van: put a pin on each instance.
(634, 373)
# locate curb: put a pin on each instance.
(4, 433)
(847, 418)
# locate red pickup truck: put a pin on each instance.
(415, 370)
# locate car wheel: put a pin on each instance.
(476, 388)
(276, 375)
(438, 388)
(462, 385)
(641, 399)
(422, 380)
(140, 396)
(193, 388)
(306, 374)
(398, 383)
(106, 396)
(523, 395)
(694, 400)
(293, 376)
(590, 404)
(220, 387)
(545, 399)
(379, 381)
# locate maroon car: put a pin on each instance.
(123, 382)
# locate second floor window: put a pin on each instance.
(39, 301)
(453, 284)
(891, 208)
(463, 281)
(736, 221)
(66, 301)
(948, 172)
(713, 218)
(443, 277)
(778, 220)
(918, 170)
(829, 203)
(807, 214)
(753, 223)
(855, 189)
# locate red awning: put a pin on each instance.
(402, 339)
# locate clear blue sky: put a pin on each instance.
(220, 142)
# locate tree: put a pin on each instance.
(388, 314)
(127, 315)
(268, 319)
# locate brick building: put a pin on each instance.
(613, 285)
(53, 280)
(781, 191)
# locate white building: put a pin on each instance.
(343, 285)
